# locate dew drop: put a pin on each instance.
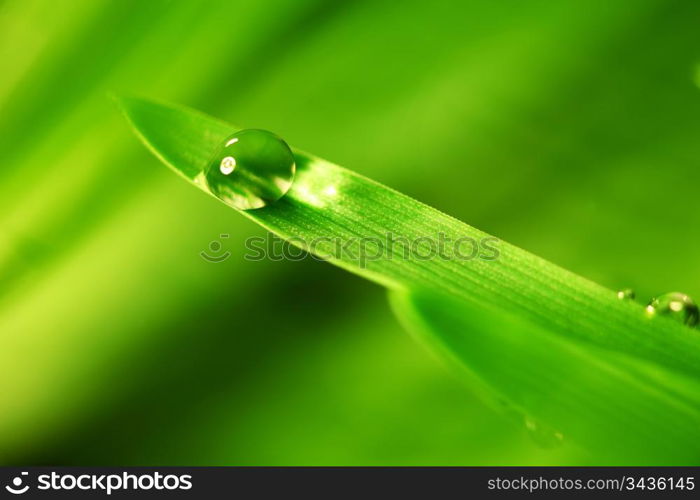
(626, 294)
(251, 169)
(542, 435)
(675, 305)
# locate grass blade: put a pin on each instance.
(632, 368)
(622, 409)
(329, 200)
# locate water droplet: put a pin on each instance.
(676, 305)
(626, 294)
(251, 169)
(542, 435)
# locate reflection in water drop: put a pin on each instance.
(542, 435)
(676, 305)
(251, 169)
(626, 294)
(228, 163)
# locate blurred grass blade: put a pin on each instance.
(594, 398)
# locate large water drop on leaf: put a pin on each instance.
(676, 305)
(251, 169)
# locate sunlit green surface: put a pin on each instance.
(561, 127)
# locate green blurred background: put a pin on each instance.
(568, 128)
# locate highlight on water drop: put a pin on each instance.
(676, 305)
(251, 169)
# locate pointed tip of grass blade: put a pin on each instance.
(174, 134)
(129, 104)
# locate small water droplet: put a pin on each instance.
(675, 305)
(542, 435)
(251, 169)
(626, 294)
